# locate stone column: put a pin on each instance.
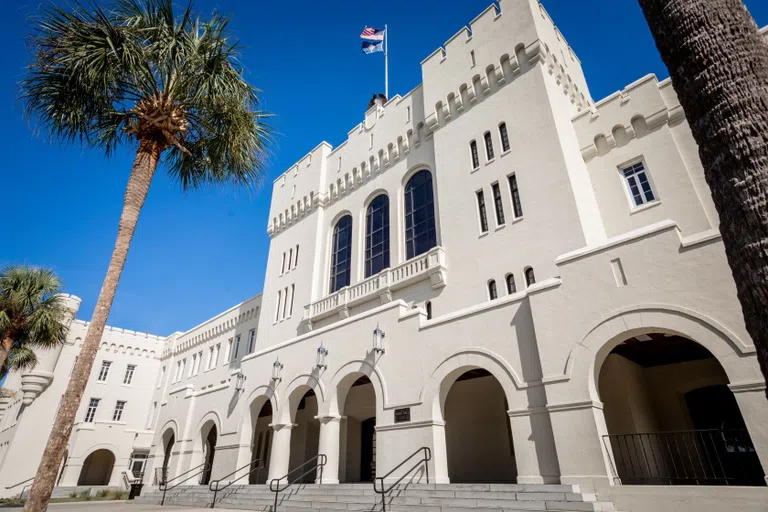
(534, 443)
(578, 429)
(751, 400)
(281, 451)
(439, 454)
(330, 432)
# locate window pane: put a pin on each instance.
(420, 234)
(342, 252)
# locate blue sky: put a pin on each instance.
(198, 253)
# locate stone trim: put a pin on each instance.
(575, 406)
(409, 425)
(747, 387)
(526, 412)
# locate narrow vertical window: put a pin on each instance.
(492, 293)
(151, 415)
(237, 347)
(277, 309)
(377, 236)
(474, 155)
(638, 184)
(429, 310)
(481, 211)
(290, 259)
(529, 277)
(296, 256)
(160, 378)
(407, 114)
(230, 346)
(90, 413)
(104, 371)
(285, 303)
(218, 351)
(341, 254)
(517, 207)
(420, 231)
(192, 366)
(130, 369)
(488, 146)
(282, 268)
(293, 293)
(511, 287)
(472, 60)
(119, 408)
(210, 359)
(504, 136)
(498, 204)
(251, 340)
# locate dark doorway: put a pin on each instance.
(97, 468)
(714, 409)
(368, 450)
(210, 451)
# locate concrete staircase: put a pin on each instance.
(403, 498)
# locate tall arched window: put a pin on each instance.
(341, 254)
(420, 233)
(504, 136)
(529, 277)
(377, 236)
(488, 145)
(473, 154)
(492, 293)
(511, 287)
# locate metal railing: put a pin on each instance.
(319, 461)
(255, 465)
(425, 460)
(685, 457)
(164, 483)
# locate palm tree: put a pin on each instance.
(718, 62)
(168, 83)
(31, 315)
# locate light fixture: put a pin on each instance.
(277, 367)
(322, 355)
(378, 340)
(240, 383)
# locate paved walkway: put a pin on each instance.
(118, 506)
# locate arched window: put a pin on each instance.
(474, 155)
(377, 236)
(420, 233)
(492, 293)
(504, 136)
(511, 287)
(341, 254)
(488, 146)
(529, 277)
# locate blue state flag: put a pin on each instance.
(372, 46)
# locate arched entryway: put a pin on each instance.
(209, 436)
(671, 418)
(261, 446)
(169, 439)
(97, 468)
(305, 434)
(478, 436)
(357, 447)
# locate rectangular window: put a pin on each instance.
(296, 257)
(517, 207)
(199, 362)
(293, 293)
(251, 340)
(119, 408)
(290, 258)
(151, 416)
(160, 378)
(282, 268)
(279, 300)
(177, 375)
(129, 374)
(138, 463)
(193, 366)
(285, 302)
(237, 347)
(504, 136)
(474, 155)
(230, 346)
(498, 204)
(209, 365)
(104, 371)
(216, 357)
(91, 411)
(638, 184)
(183, 368)
(481, 211)
(488, 146)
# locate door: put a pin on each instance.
(368, 450)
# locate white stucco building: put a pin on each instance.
(545, 276)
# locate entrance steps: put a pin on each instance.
(403, 498)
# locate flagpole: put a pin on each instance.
(386, 62)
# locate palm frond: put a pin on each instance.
(19, 359)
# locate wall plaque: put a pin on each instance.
(402, 415)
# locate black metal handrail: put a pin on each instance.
(259, 465)
(320, 460)
(425, 459)
(164, 484)
(687, 457)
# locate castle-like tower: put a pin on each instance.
(494, 267)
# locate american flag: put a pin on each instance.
(372, 34)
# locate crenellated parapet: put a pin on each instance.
(639, 108)
(219, 325)
(125, 341)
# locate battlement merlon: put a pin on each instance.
(491, 44)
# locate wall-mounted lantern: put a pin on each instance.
(240, 382)
(277, 367)
(321, 362)
(378, 340)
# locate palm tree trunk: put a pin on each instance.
(143, 170)
(5, 348)
(718, 62)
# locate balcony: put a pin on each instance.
(428, 266)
